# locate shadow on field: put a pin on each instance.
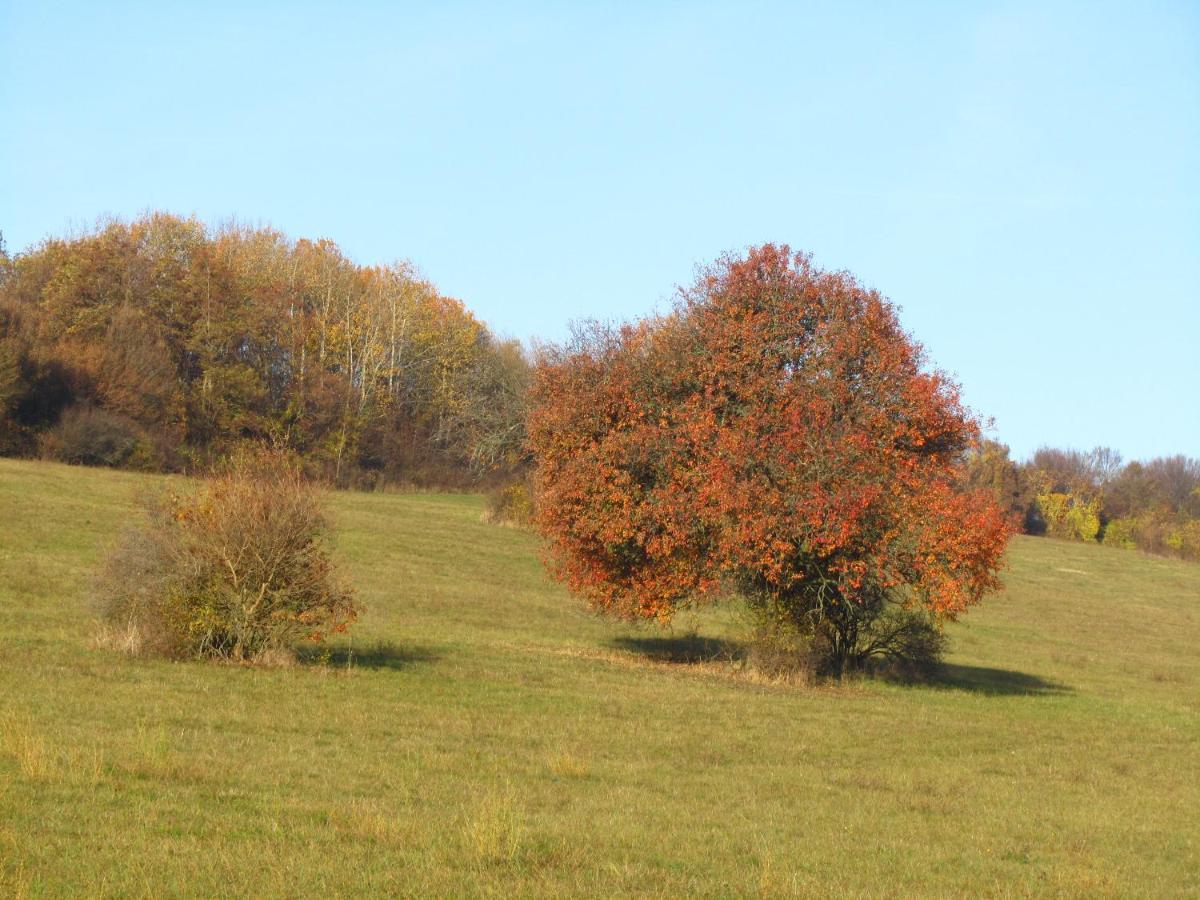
(380, 655)
(694, 648)
(996, 682)
(688, 648)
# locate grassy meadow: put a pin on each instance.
(481, 733)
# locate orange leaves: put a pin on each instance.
(776, 429)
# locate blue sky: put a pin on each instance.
(1023, 179)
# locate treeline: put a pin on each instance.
(162, 344)
(1094, 496)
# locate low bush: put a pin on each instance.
(1161, 533)
(1070, 516)
(779, 650)
(1183, 538)
(89, 436)
(882, 636)
(511, 504)
(899, 639)
(1121, 533)
(235, 570)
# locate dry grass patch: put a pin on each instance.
(494, 832)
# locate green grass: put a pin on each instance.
(490, 736)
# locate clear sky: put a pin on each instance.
(1023, 179)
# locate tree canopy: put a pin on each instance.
(193, 340)
(779, 434)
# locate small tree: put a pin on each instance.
(777, 433)
(232, 571)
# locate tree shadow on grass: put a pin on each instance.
(694, 648)
(379, 655)
(984, 680)
(687, 648)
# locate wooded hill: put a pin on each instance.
(161, 343)
(1095, 496)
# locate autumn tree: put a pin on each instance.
(777, 434)
(988, 466)
(200, 339)
(14, 378)
(489, 424)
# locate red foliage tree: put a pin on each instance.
(777, 433)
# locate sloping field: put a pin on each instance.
(490, 736)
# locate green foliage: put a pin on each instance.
(1121, 533)
(236, 570)
(1070, 516)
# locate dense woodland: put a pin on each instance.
(161, 344)
(1096, 497)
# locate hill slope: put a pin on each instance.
(491, 736)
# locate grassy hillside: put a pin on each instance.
(492, 737)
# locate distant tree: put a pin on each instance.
(132, 372)
(1105, 464)
(1130, 493)
(1063, 471)
(1075, 471)
(1153, 505)
(777, 434)
(987, 466)
(1070, 487)
(1175, 480)
(14, 379)
(489, 423)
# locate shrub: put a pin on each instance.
(89, 436)
(1184, 539)
(510, 505)
(880, 634)
(905, 639)
(1161, 533)
(779, 650)
(1121, 533)
(1069, 516)
(236, 570)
